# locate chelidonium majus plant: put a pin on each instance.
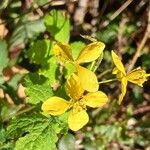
(82, 85)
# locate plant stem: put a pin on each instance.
(107, 81)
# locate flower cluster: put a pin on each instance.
(82, 85)
(137, 76)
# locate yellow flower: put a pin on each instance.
(78, 116)
(137, 76)
(88, 54)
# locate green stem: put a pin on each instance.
(148, 74)
(92, 66)
(107, 81)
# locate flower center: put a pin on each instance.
(78, 105)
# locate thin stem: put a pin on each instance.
(99, 76)
(97, 64)
(92, 66)
(147, 75)
(107, 81)
(25, 110)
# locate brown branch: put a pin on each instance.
(142, 110)
(141, 45)
(118, 12)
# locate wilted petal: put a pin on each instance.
(123, 89)
(88, 79)
(91, 52)
(118, 62)
(96, 99)
(137, 76)
(55, 106)
(77, 120)
(73, 87)
(63, 52)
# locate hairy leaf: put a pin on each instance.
(37, 88)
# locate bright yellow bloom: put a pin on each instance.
(78, 116)
(88, 54)
(137, 76)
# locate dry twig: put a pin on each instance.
(141, 45)
(118, 12)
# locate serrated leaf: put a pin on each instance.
(34, 78)
(43, 138)
(24, 124)
(37, 91)
(36, 132)
(58, 25)
(3, 55)
(39, 53)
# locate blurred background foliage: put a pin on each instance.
(27, 31)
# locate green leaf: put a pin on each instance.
(3, 55)
(34, 78)
(13, 83)
(69, 69)
(2, 136)
(23, 124)
(37, 91)
(42, 138)
(36, 132)
(40, 2)
(26, 30)
(51, 70)
(58, 25)
(76, 48)
(39, 53)
(108, 35)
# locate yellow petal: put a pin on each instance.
(96, 99)
(63, 52)
(118, 62)
(77, 120)
(123, 89)
(118, 73)
(55, 106)
(91, 52)
(88, 79)
(73, 87)
(137, 76)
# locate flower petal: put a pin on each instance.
(63, 52)
(123, 89)
(77, 120)
(73, 87)
(118, 62)
(88, 79)
(137, 76)
(91, 52)
(96, 99)
(55, 106)
(118, 73)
